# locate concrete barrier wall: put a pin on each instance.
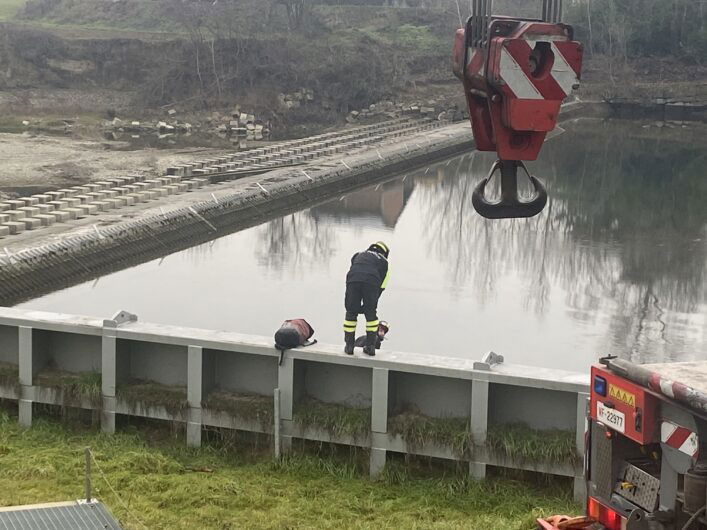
(187, 366)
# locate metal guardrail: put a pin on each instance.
(195, 363)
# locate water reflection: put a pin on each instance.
(623, 235)
(615, 263)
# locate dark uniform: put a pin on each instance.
(366, 280)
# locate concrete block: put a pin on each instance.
(59, 205)
(101, 205)
(56, 195)
(171, 189)
(4, 218)
(45, 219)
(43, 198)
(60, 216)
(76, 213)
(138, 197)
(93, 186)
(92, 209)
(45, 208)
(16, 203)
(4, 207)
(29, 201)
(73, 201)
(29, 210)
(85, 198)
(114, 203)
(16, 215)
(32, 223)
(121, 181)
(67, 192)
(4, 230)
(161, 192)
(182, 187)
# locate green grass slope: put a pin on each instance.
(8, 8)
(165, 485)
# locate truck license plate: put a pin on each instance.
(611, 417)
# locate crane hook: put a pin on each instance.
(510, 205)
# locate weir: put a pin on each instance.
(227, 380)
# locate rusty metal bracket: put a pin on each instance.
(510, 205)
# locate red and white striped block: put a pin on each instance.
(680, 438)
(556, 84)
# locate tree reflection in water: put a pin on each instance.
(623, 233)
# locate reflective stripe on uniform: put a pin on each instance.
(349, 325)
(372, 325)
(385, 280)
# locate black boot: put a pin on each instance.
(370, 347)
(349, 339)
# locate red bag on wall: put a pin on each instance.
(294, 333)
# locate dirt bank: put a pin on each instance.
(31, 164)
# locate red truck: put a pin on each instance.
(645, 457)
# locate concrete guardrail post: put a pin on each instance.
(26, 369)
(379, 420)
(286, 384)
(109, 367)
(479, 423)
(580, 486)
(194, 394)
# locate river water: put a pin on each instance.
(615, 264)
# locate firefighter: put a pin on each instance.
(365, 282)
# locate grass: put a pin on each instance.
(10, 375)
(8, 8)
(418, 429)
(149, 394)
(249, 407)
(166, 485)
(74, 387)
(337, 420)
(522, 444)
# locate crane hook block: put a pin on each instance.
(516, 73)
(510, 205)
